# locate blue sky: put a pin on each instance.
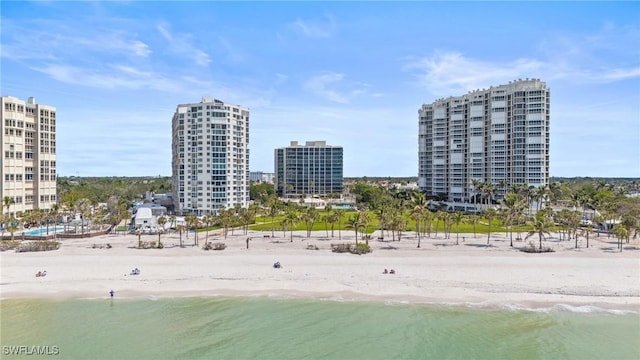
(351, 73)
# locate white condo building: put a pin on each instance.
(28, 148)
(498, 135)
(210, 165)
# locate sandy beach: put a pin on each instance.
(439, 272)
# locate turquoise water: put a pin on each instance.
(43, 231)
(262, 328)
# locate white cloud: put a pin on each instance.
(315, 29)
(320, 84)
(61, 42)
(333, 87)
(446, 73)
(181, 44)
(450, 72)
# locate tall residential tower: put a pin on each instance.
(28, 148)
(498, 135)
(210, 165)
(311, 169)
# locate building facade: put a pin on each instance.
(28, 148)
(210, 164)
(311, 169)
(498, 135)
(260, 177)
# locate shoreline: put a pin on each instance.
(439, 273)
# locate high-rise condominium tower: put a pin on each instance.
(28, 148)
(498, 135)
(210, 166)
(311, 169)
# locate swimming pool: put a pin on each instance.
(43, 231)
(342, 206)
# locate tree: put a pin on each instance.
(139, 234)
(514, 208)
(417, 213)
(310, 216)
(8, 201)
(13, 226)
(365, 220)
(354, 223)
(208, 220)
(458, 218)
(161, 221)
(541, 225)
(291, 219)
(332, 218)
(473, 219)
(620, 233)
(180, 228)
(490, 214)
(274, 209)
(339, 214)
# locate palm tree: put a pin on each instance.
(476, 185)
(490, 214)
(514, 208)
(585, 232)
(354, 223)
(180, 228)
(417, 213)
(13, 226)
(139, 234)
(310, 216)
(488, 190)
(541, 226)
(620, 233)
(8, 201)
(437, 216)
(189, 219)
(226, 220)
(365, 220)
(458, 218)
(274, 209)
(291, 220)
(161, 221)
(332, 219)
(473, 219)
(339, 213)
(209, 219)
(447, 218)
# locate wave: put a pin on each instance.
(556, 308)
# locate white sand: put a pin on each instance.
(438, 272)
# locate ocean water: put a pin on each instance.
(267, 328)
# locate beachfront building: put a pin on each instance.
(210, 164)
(498, 135)
(311, 169)
(260, 177)
(28, 150)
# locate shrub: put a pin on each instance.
(215, 246)
(100, 246)
(359, 249)
(9, 244)
(340, 248)
(43, 245)
(531, 248)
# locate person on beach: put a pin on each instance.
(111, 293)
